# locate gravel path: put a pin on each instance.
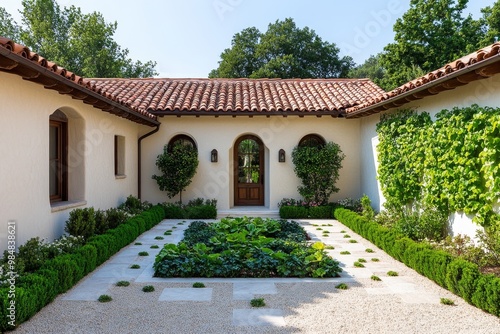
(409, 303)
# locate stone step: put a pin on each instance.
(249, 212)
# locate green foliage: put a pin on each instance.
(104, 298)
(372, 68)
(342, 286)
(358, 264)
(374, 259)
(154, 247)
(198, 285)
(345, 253)
(143, 253)
(392, 273)
(449, 165)
(245, 247)
(375, 278)
(122, 283)
(135, 266)
(367, 210)
(77, 41)
(318, 169)
(293, 212)
(148, 288)
(81, 222)
(426, 39)
(446, 301)
(257, 302)
(283, 51)
(369, 250)
(177, 165)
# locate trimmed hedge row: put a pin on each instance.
(461, 277)
(35, 290)
(191, 212)
(298, 212)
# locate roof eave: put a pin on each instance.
(390, 103)
(247, 113)
(76, 91)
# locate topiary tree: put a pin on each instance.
(178, 165)
(318, 169)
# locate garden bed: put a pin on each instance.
(245, 247)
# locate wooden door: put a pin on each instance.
(249, 171)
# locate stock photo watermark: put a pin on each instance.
(222, 7)
(10, 274)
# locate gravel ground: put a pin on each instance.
(406, 304)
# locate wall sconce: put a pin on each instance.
(281, 155)
(214, 157)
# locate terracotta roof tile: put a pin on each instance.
(18, 59)
(458, 71)
(241, 96)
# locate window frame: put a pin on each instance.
(183, 138)
(60, 122)
(119, 156)
(312, 136)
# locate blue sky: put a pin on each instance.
(186, 37)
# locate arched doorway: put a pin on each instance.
(249, 171)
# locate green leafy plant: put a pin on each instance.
(159, 238)
(345, 253)
(122, 283)
(104, 298)
(318, 169)
(343, 231)
(374, 259)
(392, 273)
(138, 243)
(359, 264)
(148, 288)
(361, 260)
(143, 253)
(329, 247)
(198, 285)
(154, 246)
(446, 301)
(375, 278)
(369, 250)
(257, 302)
(352, 241)
(367, 210)
(342, 286)
(81, 222)
(135, 266)
(177, 165)
(347, 236)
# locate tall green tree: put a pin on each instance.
(83, 43)
(429, 35)
(492, 17)
(371, 68)
(283, 51)
(177, 165)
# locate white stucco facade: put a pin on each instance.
(24, 170)
(483, 93)
(215, 180)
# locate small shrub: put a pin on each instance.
(167, 233)
(257, 302)
(198, 285)
(148, 288)
(143, 253)
(374, 259)
(347, 236)
(319, 228)
(361, 260)
(446, 301)
(154, 246)
(326, 232)
(369, 250)
(352, 241)
(135, 266)
(375, 278)
(104, 298)
(81, 222)
(392, 273)
(116, 217)
(366, 208)
(159, 238)
(132, 205)
(122, 283)
(342, 286)
(329, 247)
(345, 253)
(359, 264)
(138, 243)
(343, 231)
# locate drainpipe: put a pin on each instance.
(139, 160)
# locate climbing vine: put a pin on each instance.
(452, 163)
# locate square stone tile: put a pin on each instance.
(258, 317)
(247, 290)
(186, 294)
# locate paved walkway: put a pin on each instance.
(236, 314)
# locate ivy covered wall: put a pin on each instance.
(451, 162)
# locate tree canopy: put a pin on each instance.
(430, 34)
(82, 43)
(283, 51)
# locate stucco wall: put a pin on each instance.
(215, 180)
(483, 92)
(24, 168)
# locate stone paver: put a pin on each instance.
(186, 294)
(258, 317)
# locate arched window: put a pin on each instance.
(312, 140)
(58, 156)
(182, 140)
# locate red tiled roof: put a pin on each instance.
(478, 65)
(238, 96)
(18, 59)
